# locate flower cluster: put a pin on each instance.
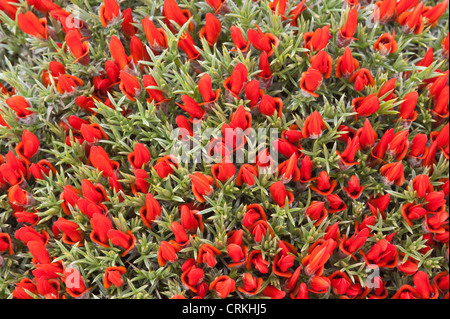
(349, 201)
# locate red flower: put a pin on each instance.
(406, 108)
(194, 109)
(247, 175)
(23, 288)
(445, 46)
(211, 30)
(154, 94)
(435, 201)
(386, 44)
(165, 166)
(255, 259)
(319, 285)
(140, 156)
(192, 276)
(383, 254)
(353, 243)
(412, 21)
(68, 84)
(422, 186)
(238, 39)
(207, 254)
(431, 15)
(223, 172)
(72, 233)
(100, 160)
(346, 64)
(269, 105)
(317, 212)
(399, 145)
(265, 75)
(190, 219)
(262, 41)
(295, 13)
(201, 186)
(384, 11)
(156, 37)
(366, 106)
(234, 84)
(314, 126)
(129, 85)
(387, 90)
(150, 211)
(367, 135)
(28, 147)
(318, 254)
(347, 31)
(279, 194)
(174, 13)
(5, 243)
(109, 12)
(78, 48)
(354, 189)
(251, 285)
(223, 285)
(74, 282)
(20, 106)
(220, 6)
(322, 62)
(423, 286)
(362, 78)
(317, 40)
(347, 157)
(167, 253)
(393, 173)
(118, 53)
(138, 51)
(39, 252)
(379, 204)
(412, 211)
(335, 204)
(100, 226)
(187, 45)
(288, 170)
(30, 24)
(310, 81)
(113, 276)
(305, 169)
(125, 240)
(323, 185)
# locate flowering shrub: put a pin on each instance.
(108, 190)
